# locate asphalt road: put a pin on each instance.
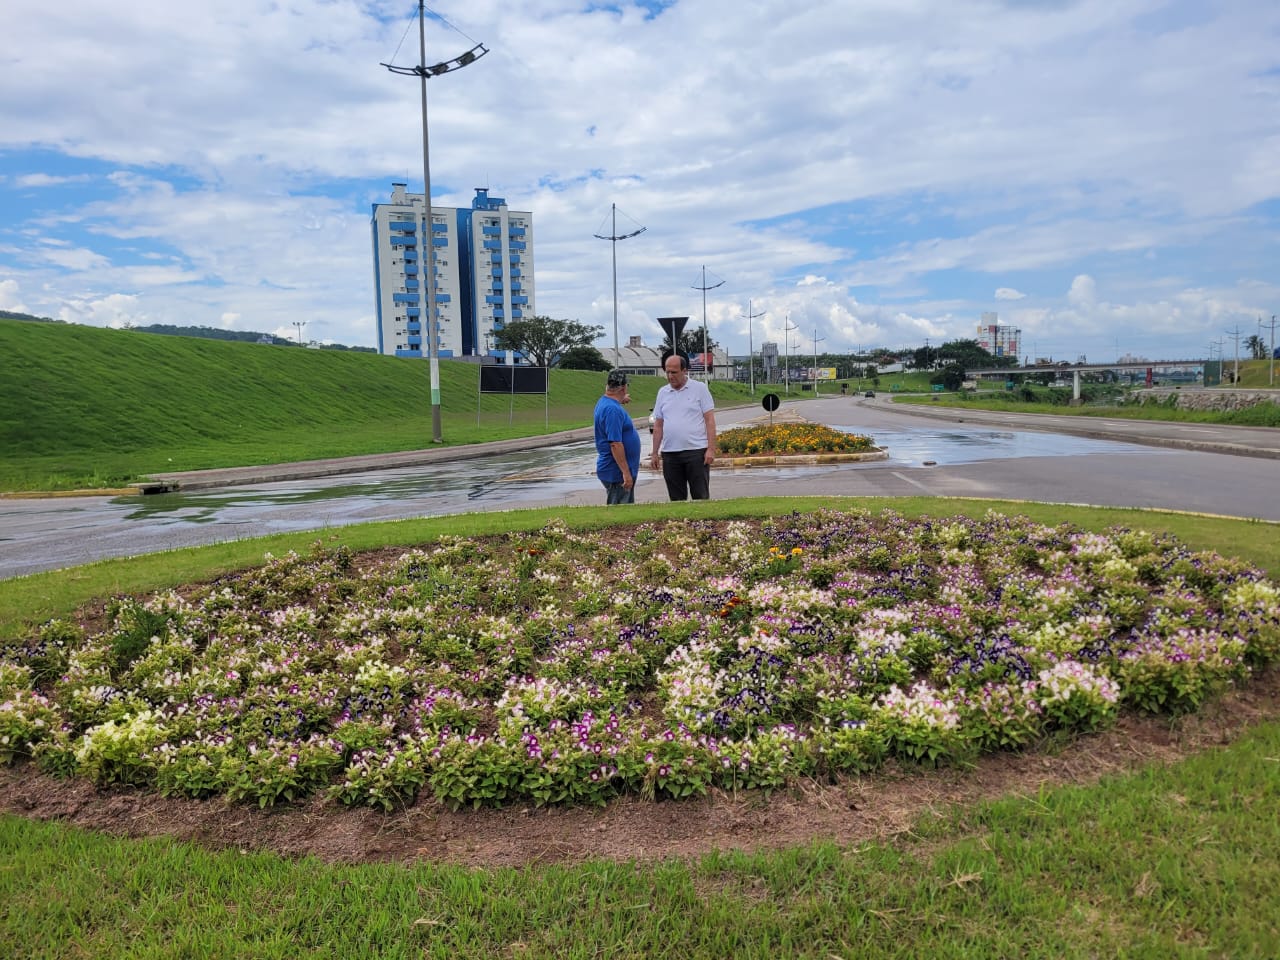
(933, 452)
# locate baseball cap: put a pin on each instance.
(617, 378)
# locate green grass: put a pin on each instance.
(83, 407)
(30, 600)
(1170, 862)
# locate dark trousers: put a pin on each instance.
(687, 474)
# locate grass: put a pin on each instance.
(1253, 375)
(84, 407)
(1169, 862)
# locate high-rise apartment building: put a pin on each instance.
(483, 273)
(998, 340)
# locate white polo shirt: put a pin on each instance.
(682, 413)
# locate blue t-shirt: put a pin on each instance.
(613, 425)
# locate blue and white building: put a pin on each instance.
(483, 273)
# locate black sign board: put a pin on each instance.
(673, 327)
(770, 402)
(503, 379)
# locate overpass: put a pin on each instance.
(1058, 369)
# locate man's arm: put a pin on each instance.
(709, 418)
(655, 456)
(620, 458)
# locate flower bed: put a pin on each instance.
(661, 660)
(782, 439)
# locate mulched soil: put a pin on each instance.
(876, 807)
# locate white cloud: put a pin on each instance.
(868, 168)
(10, 299)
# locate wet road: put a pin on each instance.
(926, 457)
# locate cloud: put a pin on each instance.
(873, 188)
(10, 299)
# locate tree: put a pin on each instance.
(691, 343)
(924, 358)
(970, 355)
(1257, 347)
(542, 340)
(583, 358)
(951, 376)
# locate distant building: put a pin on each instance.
(483, 272)
(636, 358)
(996, 339)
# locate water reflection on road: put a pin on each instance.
(48, 534)
(550, 473)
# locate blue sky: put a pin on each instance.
(1103, 175)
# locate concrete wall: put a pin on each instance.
(1211, 399)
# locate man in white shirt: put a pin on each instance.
(684, 432)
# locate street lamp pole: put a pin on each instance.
(426, 244)
(816, 341)
(614, 238)
(786, 344)
(706, 372)
(751, 346)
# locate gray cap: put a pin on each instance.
(617, 378)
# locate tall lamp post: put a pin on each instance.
(816, 341)
(427, 245)
(751, 347)
(614, 238)
(706, 371)
(786, 342)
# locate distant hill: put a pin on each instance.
(10, 315)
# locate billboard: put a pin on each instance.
(501, 379)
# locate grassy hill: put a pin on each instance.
(88, 407)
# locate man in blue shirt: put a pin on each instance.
(617, 442)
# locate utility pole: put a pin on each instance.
(1235, 335)
(786, 341)
(614, 238)
(1271, 350)
(299, 324)
(706, 364)
(816, 341)
(751, 346)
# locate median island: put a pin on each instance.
(790, 440)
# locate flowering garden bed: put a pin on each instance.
(661, 660)
(785, 438)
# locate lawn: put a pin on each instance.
(796, 642)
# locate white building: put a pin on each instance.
(998, 340)
(483, 260)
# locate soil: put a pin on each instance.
(881, 806)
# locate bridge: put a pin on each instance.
(1078, 368)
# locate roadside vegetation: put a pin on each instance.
(1170, 861)
(1109, 399)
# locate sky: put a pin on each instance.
(843, 174)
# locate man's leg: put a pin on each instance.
(673, 474)
(699, 475)
(615, 493)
